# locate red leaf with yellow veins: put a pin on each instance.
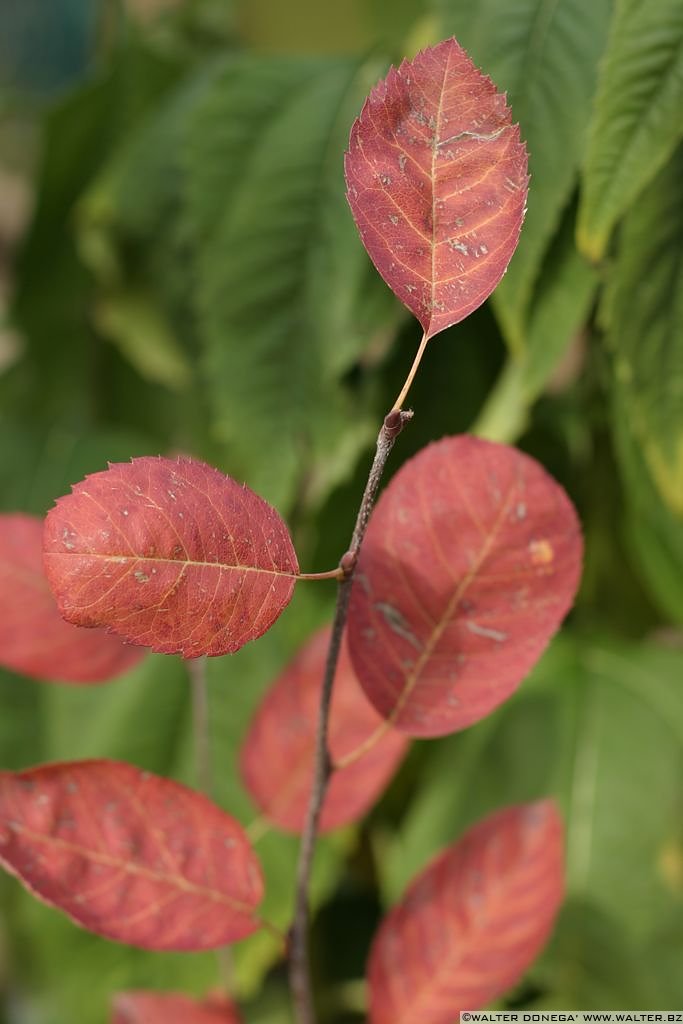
(277, 755)
(129, 855)
(171, 554)
(472, 922)
(172, 1008)
(471, 560)
(34, 638)
(437, 182)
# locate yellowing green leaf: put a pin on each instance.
(644, 318)
(638, 114)
(136, 324)
(562, 300)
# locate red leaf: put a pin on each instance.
(34, 638)
(437, 182)
(171, 554)
(129, 855)
(471, 560)
(277, 755)
(472, 922)
(172, 1008)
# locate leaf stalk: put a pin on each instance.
(411, 375)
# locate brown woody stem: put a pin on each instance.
(299, 966)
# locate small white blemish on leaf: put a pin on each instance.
(397, 623)
(491, 634)
(457, 246)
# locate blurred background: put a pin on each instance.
(179, 272)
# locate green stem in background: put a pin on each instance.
(505, 413)
(196, 670)
(299, 965)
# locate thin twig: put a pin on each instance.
(299, 966)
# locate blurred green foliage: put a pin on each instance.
(191, 280)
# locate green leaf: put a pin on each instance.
(287, 297)
(39, 464)
(51, 957)
(562, 300)
(655, 538)
(664, 956)
(126, 719)
(627, 743)
(601, 728)
(545, 54)
(57, 378)
(129, 236)
(652, 530)
(644, 317)
(590, 964)
(145, 337)
(21, 722)
(636, 120)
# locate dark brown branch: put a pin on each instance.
(299, 967)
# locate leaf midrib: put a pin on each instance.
(435, 151)
(412, 679)
(127, 867)
(458, 956)
(183, 563)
